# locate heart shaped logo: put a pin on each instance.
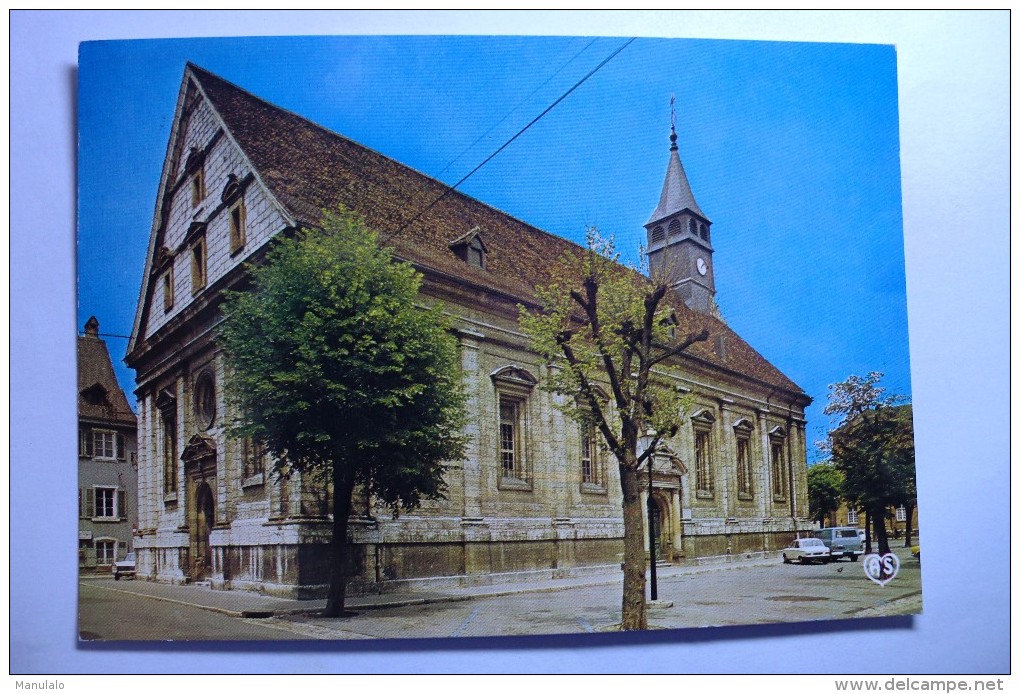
(881, 568)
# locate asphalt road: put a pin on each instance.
(722, 595)
(110, 615)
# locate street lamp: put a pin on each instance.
(646, 441)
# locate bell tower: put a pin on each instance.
(679, 242)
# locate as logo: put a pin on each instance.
(881, 569)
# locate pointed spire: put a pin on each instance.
(676, 190)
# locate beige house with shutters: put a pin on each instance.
(535, 495)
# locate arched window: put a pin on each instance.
(675, 228)
(692, 226)
(205, 400)
(704, 232)
(658, 235)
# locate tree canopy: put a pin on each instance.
(825, 488)
(608, 333)
(872, 445)
(335, 366)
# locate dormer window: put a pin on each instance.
(471, 248)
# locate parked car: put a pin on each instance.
(842, 542)
(862, 534)
(124, 567)
(805, 549)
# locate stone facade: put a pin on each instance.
(530, 499)
(107, 463)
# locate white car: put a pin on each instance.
(805, 549)
(124, 567)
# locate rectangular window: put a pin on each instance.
(169, 454)
(590, 463)
(509, 437)
(778, 471)
(106, 551)
(254, 458)
(104, 444)
(237, 226)
(198, 187)
(901, 514)
(168, 289)
(851, 517)
(744, 489)
(198, 266)
(106, 503)
(703, 463)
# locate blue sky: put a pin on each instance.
(792, 151)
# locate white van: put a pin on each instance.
(842, 542)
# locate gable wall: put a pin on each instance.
(262, 221)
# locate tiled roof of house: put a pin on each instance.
(310, 169)
(100, 397)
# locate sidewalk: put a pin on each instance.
(240, 603)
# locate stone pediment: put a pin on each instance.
(514, 376)
(199, 447)
(667, 462)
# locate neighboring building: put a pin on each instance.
(107, 464)
(536, 494)
(895, 520)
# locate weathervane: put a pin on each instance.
(672, 121)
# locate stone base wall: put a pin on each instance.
(298, 566)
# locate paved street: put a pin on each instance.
(728, 594)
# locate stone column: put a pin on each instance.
(765, 502)
(470, 348)
(727, 457)
(677, 522)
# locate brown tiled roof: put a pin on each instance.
(309, 169)
(100, 397)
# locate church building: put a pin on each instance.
(239, 171)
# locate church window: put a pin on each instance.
(510, 449)
(704, 473)
(168, 289)
(744, 468)
(658, 234)
(777, 444)
(237, 223)
(167, 406)
(675, 228)
(704, 232)
(198, 187)
(254, 454)
(205, 400)
(591, 458)
(198, 266)
(692, 226)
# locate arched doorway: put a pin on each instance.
(200, 473)
(661, 526)
(205, 517)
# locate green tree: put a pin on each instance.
(825, 484)
(335, 366)
(601, 323)
(872, 445)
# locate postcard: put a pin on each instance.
(439, 337)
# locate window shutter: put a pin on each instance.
(86, 442)
(81, 504)
(90, 503)
(122, 504)
(121, 453)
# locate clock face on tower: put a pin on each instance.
(702, 266)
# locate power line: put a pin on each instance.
(519, 133)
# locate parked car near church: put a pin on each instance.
(124, 567)
(842, 542)
(805, 549)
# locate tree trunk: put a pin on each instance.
(878, 517)
(343, 491)
(910, 524)
(634, 614)
(868, 533)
